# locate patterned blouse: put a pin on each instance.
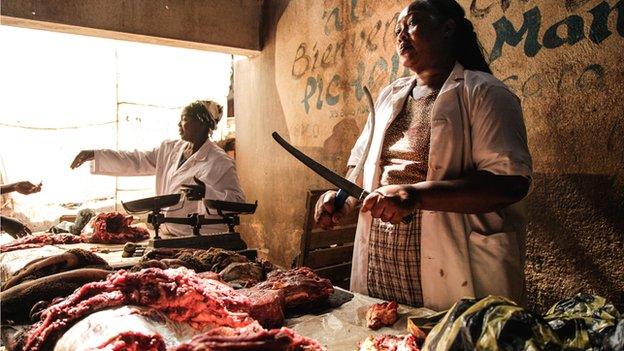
(394, 249)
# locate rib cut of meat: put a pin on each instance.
(178, 293)
(252, 337)
(301, 286)
(389, 343)
(133, 341)
(33, 241)
(114, 228)
(381, 315)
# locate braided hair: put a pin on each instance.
(465, 46)
(207, 112)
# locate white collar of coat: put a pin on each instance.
(405, 86)
(204, 151)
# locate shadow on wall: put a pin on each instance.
(575, 238)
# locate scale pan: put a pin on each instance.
(151, 203)
(232, 207)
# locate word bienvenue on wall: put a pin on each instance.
(356, 49)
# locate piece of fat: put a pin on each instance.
(99, 327)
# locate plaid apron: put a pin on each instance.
(394, 249)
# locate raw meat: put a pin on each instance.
(245, 274)
(17, 302)
(267, 306)
(70, 260)
(301, 286)
(381, 315)
(213, 259)
(252, 337)
(33, 241)
(114, 228)
(178, 293)
(233, 267)
(133, 341)
(389, 343)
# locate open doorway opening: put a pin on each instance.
(62, 93)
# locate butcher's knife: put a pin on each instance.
(342, 183)
(341, 195)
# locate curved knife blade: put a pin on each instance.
(329, 175)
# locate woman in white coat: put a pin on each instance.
(193, 164)
(449, 146)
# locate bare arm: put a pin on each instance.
(477, 193)
(23, 187)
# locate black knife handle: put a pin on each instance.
(339, 200)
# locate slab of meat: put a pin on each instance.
(213, 259)
(20, 301)
(114, 228)
(133, 341)
(70, 260)
(178, 293)
(389, 343)
(234, 268)
(267, 306)
(301, 286)
(245, 274)
(250, 338)
(33, 241)
(381, 315)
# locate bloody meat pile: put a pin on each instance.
(178, 293)
(184, 296)
(109, 228)
(301, 286)
(133, 341)
(33, 241)
(389, 343)
(251, 337)
(114, 228)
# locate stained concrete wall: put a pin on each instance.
(231, 26)
(563, 58)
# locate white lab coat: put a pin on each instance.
(210, 164)
(476, 124)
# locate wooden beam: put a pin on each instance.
(229, 26)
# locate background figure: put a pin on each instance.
(229, 146)
(193, 165)
(12, 226)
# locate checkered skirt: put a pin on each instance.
(394, 261)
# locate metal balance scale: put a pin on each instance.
(228, 211)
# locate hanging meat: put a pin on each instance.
(113, 228)
(301, 286)
(39, 240)
(381, 315)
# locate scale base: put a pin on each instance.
(228, 241)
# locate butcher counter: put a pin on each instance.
(340, 328)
